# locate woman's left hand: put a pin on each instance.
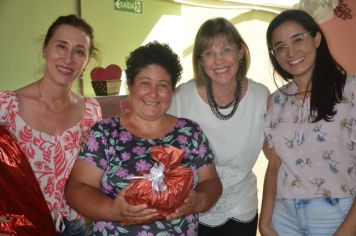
(186, 208)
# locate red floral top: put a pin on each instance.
(51, 157)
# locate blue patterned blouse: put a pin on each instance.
(318, 159)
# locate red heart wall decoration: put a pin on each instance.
(111, 72)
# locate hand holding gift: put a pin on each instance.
(167, 184)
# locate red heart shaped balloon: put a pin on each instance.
(111, 72)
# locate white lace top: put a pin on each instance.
(236, 143)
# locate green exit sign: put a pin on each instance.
(134, 6)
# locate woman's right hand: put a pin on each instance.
(83, 193)
(130, 214)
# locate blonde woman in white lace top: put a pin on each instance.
(229, 107)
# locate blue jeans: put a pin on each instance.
(74, 228)
(310, 217)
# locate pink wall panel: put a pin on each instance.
(341, 35)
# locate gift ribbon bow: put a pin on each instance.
(156, 176)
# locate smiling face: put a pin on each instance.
(221, 60)
(295, 49)
(66, 54)
(151, 92)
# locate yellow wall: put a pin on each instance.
(24, 23)
(118, 33)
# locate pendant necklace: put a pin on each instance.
(215, 107)
(47, 106)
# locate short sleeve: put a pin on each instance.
(268, 127)
(192, 139)
(94, 150)
(351, 93)
(8, 107)
(92, 113)
(207, 157)
(268, 122)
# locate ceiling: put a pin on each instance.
(236, 3)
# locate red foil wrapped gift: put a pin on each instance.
(167, 184)
(23, 209)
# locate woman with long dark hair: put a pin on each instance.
(310, 183)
